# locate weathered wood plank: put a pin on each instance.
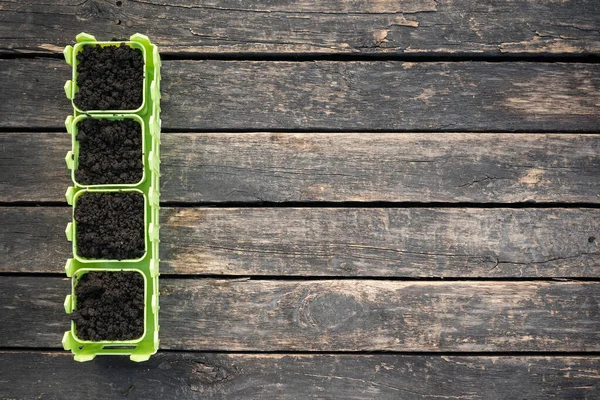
(326, 95)
(33, 239)
(409, 167)
(293, 376)
(334, 315)
(416, 242)
(471, 27)
(33, 166)
(383, 242)
(383, 167)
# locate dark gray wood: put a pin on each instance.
(33, 88)
(33, 166)
(293, 376)
(383, 242)
(334, 315)
(416, 242)
(333, 95)
(335, 167)
(463, 27)
(33, 239)
(382, 167)
(380, 315)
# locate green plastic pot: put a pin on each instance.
(136, 41)
(89, 349)
(139, 349)
(71, 230)
(72, 158)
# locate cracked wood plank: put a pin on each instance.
(414, 27)
(334, 315)
(353, 242)
(297, 376)
(333, 95)
(335, 167)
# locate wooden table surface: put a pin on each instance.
(394, 199)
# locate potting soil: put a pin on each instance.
(109, 78)
(110, 306)
(110, 152)
(110, 225)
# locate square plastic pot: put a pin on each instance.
(137, 41)
(139, 349)
(72, 157)
(71, 230)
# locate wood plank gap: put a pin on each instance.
(310, 57)
(558, 354)
(289, 278)
(375, 204)
(54, 129)
(391, 205)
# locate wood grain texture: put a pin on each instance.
(278, 167)
(334, 95)
(382, 167)
(471, 27)
(420, 242)
(293, 376)
(334, 315)
(416, 242)
(33, 166)
(33, 239)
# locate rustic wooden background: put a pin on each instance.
(393, 199)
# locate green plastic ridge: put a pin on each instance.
(148, 115)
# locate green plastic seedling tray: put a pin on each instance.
(72, 157)
(139, 349)
(135, 41)
(148, 265)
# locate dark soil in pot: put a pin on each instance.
(110, 306)
(110, 225)
(110, 152)
(109, 78)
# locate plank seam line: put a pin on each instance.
(333, 205)
(22, 349)
(301, 279)
(315, 131)
(315, 56)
